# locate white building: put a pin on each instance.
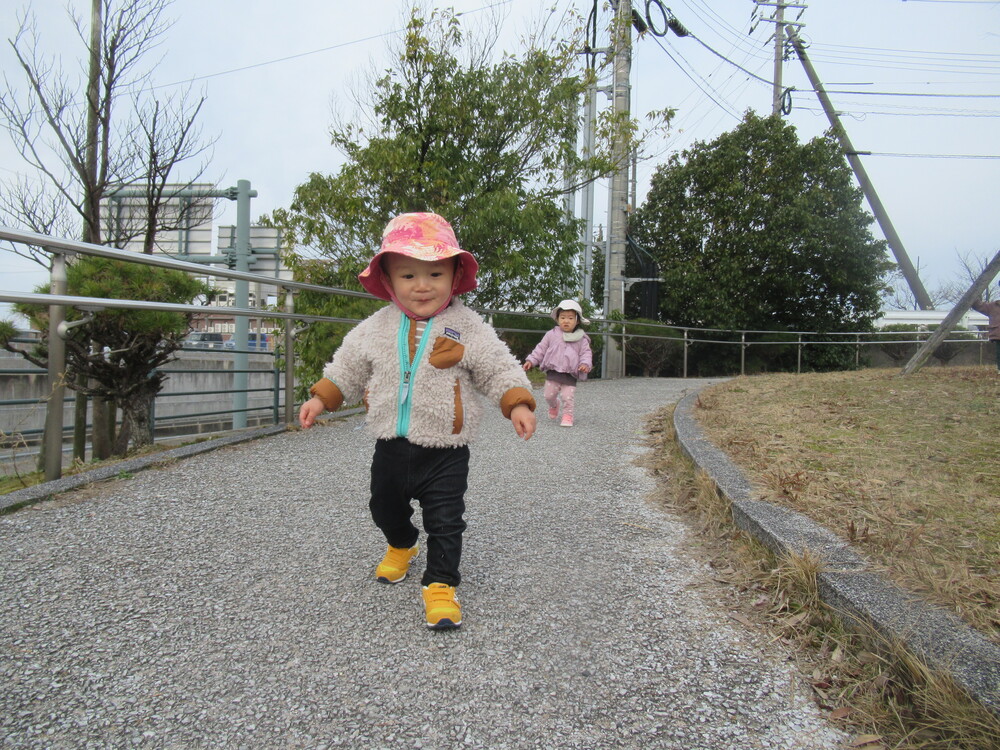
(972, 320)
(191, 238)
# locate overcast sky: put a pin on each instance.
(924, 77)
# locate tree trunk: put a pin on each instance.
(100, 435)
(136, 424)
(80, 422)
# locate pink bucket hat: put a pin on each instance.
(424, 236)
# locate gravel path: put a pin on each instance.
(228, 600)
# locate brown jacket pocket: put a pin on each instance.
(446, 353)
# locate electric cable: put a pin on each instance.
(933, 156)
(914, 94)
(705, 89)
(265, 63)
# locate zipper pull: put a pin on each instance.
(406, 386)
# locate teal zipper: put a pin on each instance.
(406, 373)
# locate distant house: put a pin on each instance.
(971, 321)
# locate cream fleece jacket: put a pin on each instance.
(424, 389)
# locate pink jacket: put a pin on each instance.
(553, 353)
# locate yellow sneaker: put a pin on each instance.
(442, 608)
(396, 564)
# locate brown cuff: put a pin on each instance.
(327, 392)
(516, 397)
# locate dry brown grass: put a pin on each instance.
(907, 469)
(875, 690)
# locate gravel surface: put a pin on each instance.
(229, 600)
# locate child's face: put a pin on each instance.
(566, 320)
(421, 286)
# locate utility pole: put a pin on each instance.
(621, 45)
(778, 19)
(102, 411)
(779, 54)
(973, 293)
(587, 198)
(881, 216)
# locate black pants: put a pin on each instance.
(437, 478)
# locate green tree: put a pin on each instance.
(756, 230)
(653, 351)
(118, 352)
(486, 145)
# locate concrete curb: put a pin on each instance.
(847, 583)
(45, 490)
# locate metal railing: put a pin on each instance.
(617, 332)
(57, 302)
(173, 413)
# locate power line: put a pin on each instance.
(719, 54)
(264, 63)
(919, 53)
(277, 60)
(706, 88)
(918, 113)
(929, 156)
(916, 94)
(738, 38)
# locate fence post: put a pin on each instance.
(686, 344)
(289, 359)
(624, 359)
(57, 376)
(798, 357)
(857, 351)
(743, 353)
(275, 390)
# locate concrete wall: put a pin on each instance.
(201, 389)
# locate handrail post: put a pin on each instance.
(743, 353)
(624, 364)
(53, 437)
(289, 359)
(798, 357)
(275, 389)
(686, 345)
(241, 360)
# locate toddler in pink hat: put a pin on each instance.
(421, 365)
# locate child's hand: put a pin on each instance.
(584, 368)
(309, 411)
(523, 420)
(527, 366)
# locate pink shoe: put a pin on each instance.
(553, 412)
(567, 421)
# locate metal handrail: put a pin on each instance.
(75, 247)
(57, 303)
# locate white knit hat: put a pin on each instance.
(569, 304)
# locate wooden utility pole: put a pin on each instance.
(881, 216)
(102, 412)
(973, 293)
